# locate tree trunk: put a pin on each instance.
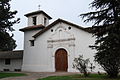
(85, 73)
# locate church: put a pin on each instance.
(53, 47)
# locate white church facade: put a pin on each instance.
(53, 47)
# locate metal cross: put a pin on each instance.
(39, 7)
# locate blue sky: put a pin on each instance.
(64, 9)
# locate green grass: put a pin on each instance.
(79, 77)
(4, 75)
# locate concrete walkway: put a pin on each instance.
(35, 75)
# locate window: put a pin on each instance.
(31, 42)
(34, 20)
(18, 70)
(7, 61)
(51, 30)
(69, 28)
(6, 70)
(45, 21)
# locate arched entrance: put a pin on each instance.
(61, 60)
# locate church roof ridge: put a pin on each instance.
(37, 12)
(55, 22)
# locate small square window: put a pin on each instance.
(7, 61)
(31, 42)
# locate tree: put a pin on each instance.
(81, 65)
(6, 22)
(106, 29)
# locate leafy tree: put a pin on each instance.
(106, 29)
(81, 65)
(6, 22)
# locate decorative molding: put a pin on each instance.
(50, 46)
(60, 40)
(71, 45)
(60, 27)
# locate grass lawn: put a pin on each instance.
(79, 77)
(5, 74)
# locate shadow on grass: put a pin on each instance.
(80, 77)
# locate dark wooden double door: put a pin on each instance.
(61, 60)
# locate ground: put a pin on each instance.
(35, 76)
(9, 74)
(58, 76)
(80, 77)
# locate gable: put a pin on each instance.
(61, 31)
(56, 22)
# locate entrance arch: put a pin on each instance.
(61, 60)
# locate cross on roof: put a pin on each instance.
(39, 7)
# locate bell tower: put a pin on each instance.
(37, 18)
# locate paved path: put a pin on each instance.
(35, 76)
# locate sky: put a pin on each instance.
(65, 9)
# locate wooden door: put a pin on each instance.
(61, 60)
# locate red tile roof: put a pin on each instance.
(32, 28)
(11, 54)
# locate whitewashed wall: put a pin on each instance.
(40, 20)
(27, 37)
(14, 64)
(41, 57)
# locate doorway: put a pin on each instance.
(61, 60)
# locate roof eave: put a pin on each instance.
(29, 28)
(24, 30)
(37, 12)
